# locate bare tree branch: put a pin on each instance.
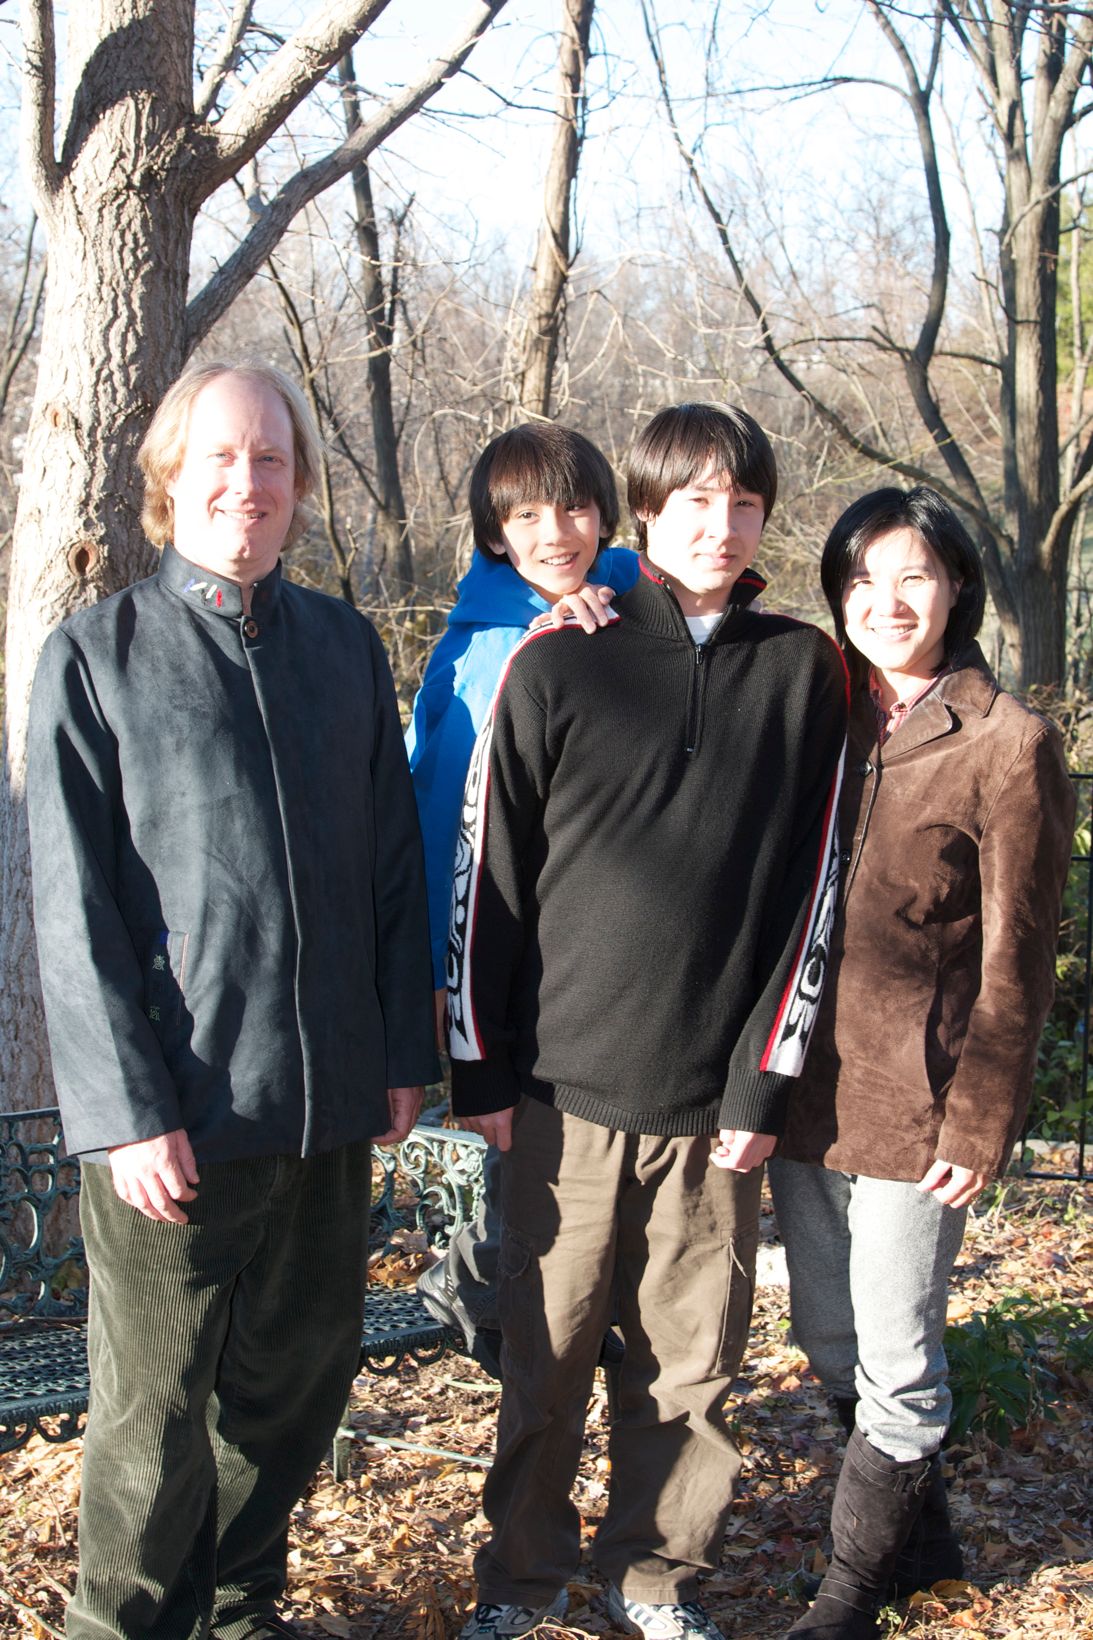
(306, 366)
(774, 351)
(39, 102)
(1042, 199)
(305, 185)
(24, 317)
(227, 56)
(285, 81)
(535, 347)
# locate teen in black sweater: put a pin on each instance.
(643, 895)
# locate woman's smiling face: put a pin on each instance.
(896, 606)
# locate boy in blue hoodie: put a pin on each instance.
(543, 510)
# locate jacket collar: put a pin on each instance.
(968, 690)
(659, 607)
(211, 594)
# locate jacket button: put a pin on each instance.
(844, 857)
(863, 768)
(250, 628)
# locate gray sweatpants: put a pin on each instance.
(591, 1213)
(869, 1266)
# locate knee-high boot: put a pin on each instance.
(877, 1500)
(932, 1552)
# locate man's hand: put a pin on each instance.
(739, 1152)
(154, 1175)
(405, 1106)
(588, 605)
(955, 1186)
(496, 1128)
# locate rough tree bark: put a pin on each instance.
(536, 346)
(118, 202)
(1031, 61)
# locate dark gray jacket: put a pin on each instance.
(228, 886)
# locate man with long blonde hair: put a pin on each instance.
(231, 924)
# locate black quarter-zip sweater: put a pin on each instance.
(644, 882)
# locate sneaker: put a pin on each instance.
(437, 1291)
(499, 1622)
(685, 1621)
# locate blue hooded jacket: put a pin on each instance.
(493, 610)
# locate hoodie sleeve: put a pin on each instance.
(792, 960)
(450, 708)
(617, 568)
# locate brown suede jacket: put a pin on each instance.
(956, 835)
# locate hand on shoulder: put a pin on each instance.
(588, 606)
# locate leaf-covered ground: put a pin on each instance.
(389, 1553)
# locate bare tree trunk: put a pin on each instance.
(1025, 540)
(394, 555)
(77, 536)
(537, 347)
(118, 205)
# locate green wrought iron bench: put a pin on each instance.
(431, 1184)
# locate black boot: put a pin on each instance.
(877, 1501)
(932, 1552)
(846, 1410)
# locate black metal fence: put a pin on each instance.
(1064, 1051)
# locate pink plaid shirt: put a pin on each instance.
(889, 718)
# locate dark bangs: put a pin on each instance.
(685, 441)
(539, 462)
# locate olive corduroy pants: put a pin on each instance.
(221, 1355)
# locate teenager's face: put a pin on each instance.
(896, 607)
(551, 547)
(703, 539)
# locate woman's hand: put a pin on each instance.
(955, 1186)
(588, 605)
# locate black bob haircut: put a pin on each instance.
(539, 461)
(934, 522)
(683, 442)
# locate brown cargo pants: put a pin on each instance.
(596, 1218)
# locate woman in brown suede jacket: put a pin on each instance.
(956, 819)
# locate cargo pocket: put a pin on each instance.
(739, 1298)
(165, 980)
(519, 1295)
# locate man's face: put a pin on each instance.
(235, 491)
(703, 539)
(551, 547)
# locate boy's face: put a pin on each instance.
(551, 547)
(703, 539)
